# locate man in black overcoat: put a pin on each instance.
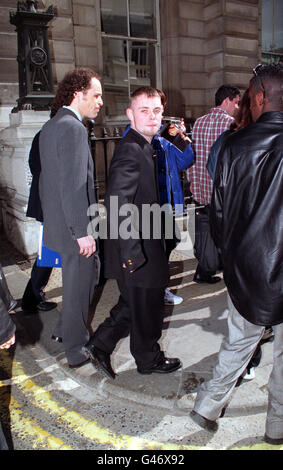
(135, 258)
(34, 296)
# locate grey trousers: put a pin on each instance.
(80, 276)
(235, 353)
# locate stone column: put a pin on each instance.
(15, 143)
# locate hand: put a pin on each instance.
(9, 343)
(87, 246)
(178, 129)
(125, 267)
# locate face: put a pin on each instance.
(90, 102)
(145, 115)
(256, 104)
(233, 106)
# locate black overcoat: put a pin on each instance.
(132, 181)
(34, 208)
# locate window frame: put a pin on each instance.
(156, 43)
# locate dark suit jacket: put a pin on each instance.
(34, 209)
(66, 182)
(132, 180)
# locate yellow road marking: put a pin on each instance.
(29, 429)
(87, 428)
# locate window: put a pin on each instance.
(272, 31)
(131, 50)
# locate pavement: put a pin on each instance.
(192, 331)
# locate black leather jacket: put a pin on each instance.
(247, 218)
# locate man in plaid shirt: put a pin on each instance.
(205, 132)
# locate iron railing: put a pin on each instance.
(104, 152)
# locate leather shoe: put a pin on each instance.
(164, 366)
(45, 306)
(207, 279)
(203, 422)
(80, 364)
(42, 306)
(59, 339)
(273, 441)
(101, 360)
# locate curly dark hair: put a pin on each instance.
(77, 79)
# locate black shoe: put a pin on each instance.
(42, 306)
(271, 440)
(58, 339)
(45, 306)
(164, 366)
(80, 364)
(203, 422)
(100, 359)
(206, 279)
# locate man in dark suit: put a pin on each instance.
(137, 262)
(34, 297)
(67, 191)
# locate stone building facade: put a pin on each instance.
(201, 45)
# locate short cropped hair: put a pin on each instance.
(78, 79)
(149, 91)
(269, 79)
(226, 91)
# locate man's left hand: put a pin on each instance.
(87, 246)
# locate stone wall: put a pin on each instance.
(74, 39)
(206, 43)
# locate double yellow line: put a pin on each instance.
(28, 429)
(43, 400)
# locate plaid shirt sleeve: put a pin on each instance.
(205, 132)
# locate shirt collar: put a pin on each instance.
(216, 109)
(74, 111)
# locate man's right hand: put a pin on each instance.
(87, 246)
(8, 343)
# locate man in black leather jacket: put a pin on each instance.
(247, 221)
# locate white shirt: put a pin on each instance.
(74, 111)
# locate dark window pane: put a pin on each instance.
(272, 26)
(278, 36)
(114, 17)
(143, 64)
(142, 18)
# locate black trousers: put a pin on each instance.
(205, 251)
(38, 281)
(79, 278)
(139, 312)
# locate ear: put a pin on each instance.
(260, 98)
(129, 114)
